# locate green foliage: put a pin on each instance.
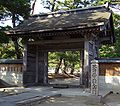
(3, 37)
(107, 51)
(14, 10)
(117, 43)
(116, 19)
(21, 7)
(65, 4)
(113, 50)
(7, 50)
(71, 57)
(101, 2)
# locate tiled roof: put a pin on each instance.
(67, 20)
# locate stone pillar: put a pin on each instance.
(95, 77)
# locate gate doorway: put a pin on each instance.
(65, 68)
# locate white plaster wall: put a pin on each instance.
(12, 76)
(111, 83)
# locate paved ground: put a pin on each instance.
(109, 100)
(20, 96)
(12, 96)
(70, 101)
(112, 100)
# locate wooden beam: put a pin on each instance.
(102, 39)
(57, 41)
(63, 47)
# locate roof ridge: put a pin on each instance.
(72, 10)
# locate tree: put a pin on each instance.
(16, 10)
(55, 5)
(64, 61)
(114, 49)
(33, 7)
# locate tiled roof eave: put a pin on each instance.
(56, 31)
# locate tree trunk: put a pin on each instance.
(72, 69)
(53, 6)
(13, 20)
(58, 65)
(18, 55)
(65, 67)
(33, 7)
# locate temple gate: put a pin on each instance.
(78, 29)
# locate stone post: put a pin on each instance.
(95, 77)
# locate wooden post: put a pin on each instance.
(45, 67)
(42, 67)
(29, 74)
(25, 58)
(90, 53)
(36, 79)
(95, 77)
(86, 63)
(81, 66)
(24, 63)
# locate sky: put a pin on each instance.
(39, 7)
(116, 9)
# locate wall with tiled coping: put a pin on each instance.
(109, 74)
(11, 71)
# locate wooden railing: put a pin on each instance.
(11, 71)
